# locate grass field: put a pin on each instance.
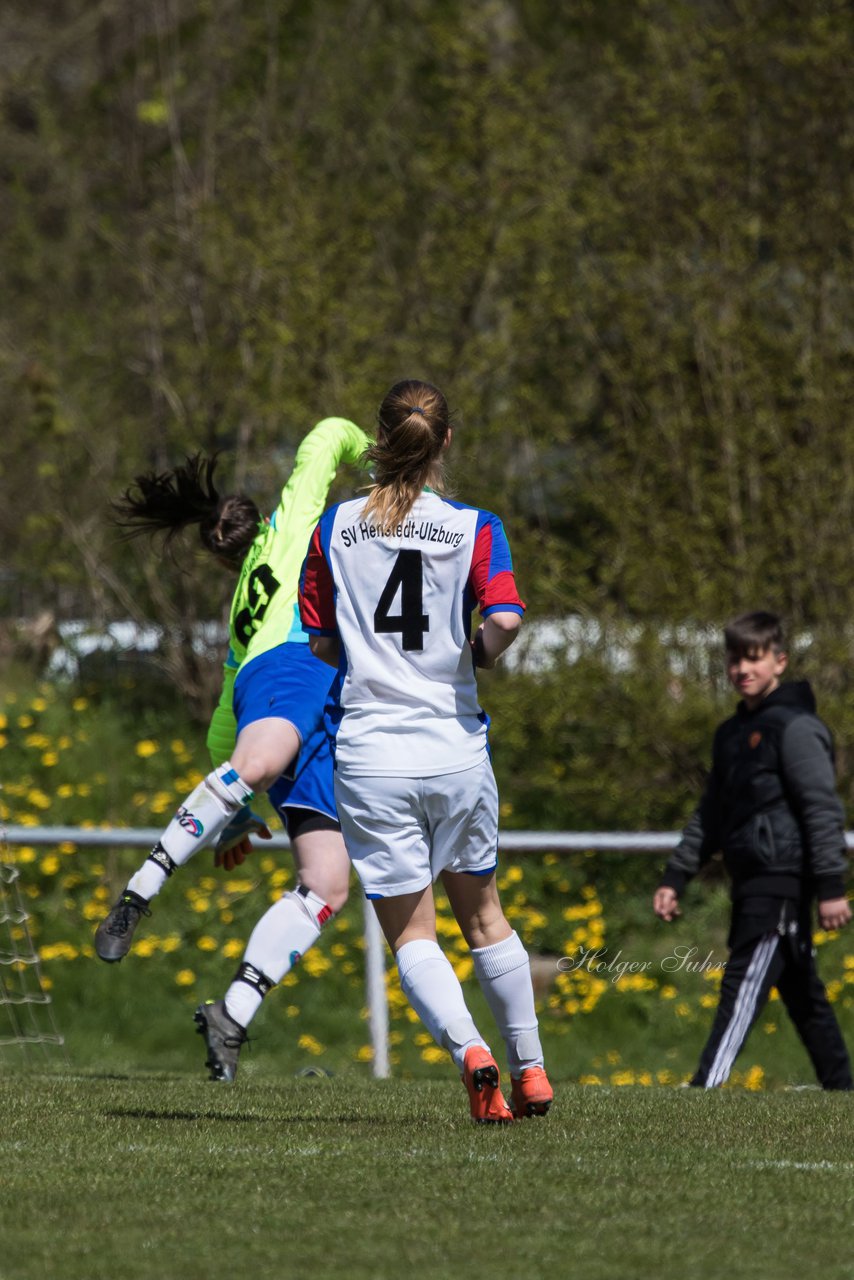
(166, 1176)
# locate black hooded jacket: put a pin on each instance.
(770, 804)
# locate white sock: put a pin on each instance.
(196, 825)
(504, 974)
(433, 989)
(279, 940)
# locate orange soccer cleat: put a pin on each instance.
(532, 1095)
(481, 1078)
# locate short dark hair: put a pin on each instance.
(755, 632)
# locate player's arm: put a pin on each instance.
(234, 845)
(493, 584)
(806, 756)
(326, 648)
(222, 730)
(700, 839)
(665, 904)
(494, 635)
(329, 444)
(317, 595)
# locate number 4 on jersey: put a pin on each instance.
(411, 623)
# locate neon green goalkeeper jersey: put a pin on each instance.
(264, 611)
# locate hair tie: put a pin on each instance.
(416, 408)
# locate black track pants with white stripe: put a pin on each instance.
(751, 971)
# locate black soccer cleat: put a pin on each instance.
(114, 935)
(223, 1036)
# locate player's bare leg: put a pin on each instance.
(278, 942)
(502, 968)
(433, 989)
(262, 752)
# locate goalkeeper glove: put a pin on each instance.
(233, 846)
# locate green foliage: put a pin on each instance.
(630, 1003)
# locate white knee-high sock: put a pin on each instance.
(504, 974)
(433, 989)
(278, 942)
(196, 825)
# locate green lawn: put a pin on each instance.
(166, 1176)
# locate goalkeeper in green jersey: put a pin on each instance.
(267, 732)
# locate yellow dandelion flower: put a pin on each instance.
(232, 948)
(238, 886)
(79, 704)
(38, 704)
(365, 1053)
(49, 759)
(185, 977)
(4, 720)
(668, 993)
(147, 747)
(49, 865)
(65, 790)
(316, 963)
(207, 943)
(589, 1079)
(311, 1045)
(754, 1078)
(434, 1055)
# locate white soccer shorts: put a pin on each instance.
(401, 833)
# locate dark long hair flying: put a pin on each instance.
(169, 501)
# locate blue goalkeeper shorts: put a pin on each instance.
(287, 682)
(311, 786)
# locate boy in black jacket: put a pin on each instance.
(770, 805)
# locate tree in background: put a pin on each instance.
(620, 234)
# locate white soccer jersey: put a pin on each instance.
(401, 602)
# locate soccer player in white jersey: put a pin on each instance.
(268, 728)
(386, 595)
